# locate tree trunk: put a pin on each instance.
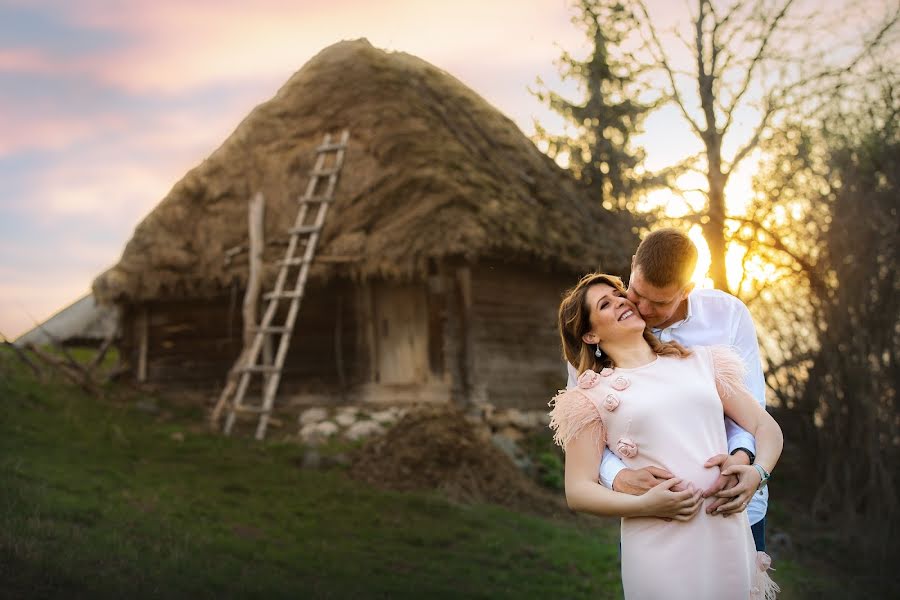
(714, 231)
(714, 227)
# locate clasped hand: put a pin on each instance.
(667, 497)
(663, 494)
(735, 486)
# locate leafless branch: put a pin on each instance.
(663, 61)
(754, 63)
(19, 353)
(75, 372)
(811, 271)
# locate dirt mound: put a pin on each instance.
(436, 448)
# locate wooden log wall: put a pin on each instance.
(193, 343)
(517, 354)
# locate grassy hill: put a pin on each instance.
(130, 496)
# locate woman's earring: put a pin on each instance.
(599, 352)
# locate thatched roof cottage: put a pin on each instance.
(440, 267)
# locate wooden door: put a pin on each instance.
(401, 333)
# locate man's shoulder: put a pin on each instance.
(716, 298)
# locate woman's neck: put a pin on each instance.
(631, 353)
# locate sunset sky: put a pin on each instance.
(104, 105)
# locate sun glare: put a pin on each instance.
(747, 274)
(703, 259)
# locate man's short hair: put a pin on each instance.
(666, 256)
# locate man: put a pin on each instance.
(661, 288)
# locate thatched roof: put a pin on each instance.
(432, 171)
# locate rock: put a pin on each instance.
(346, 419)
(517, 418)
(532, 420)
(512, 433)
(177, 436)
(363, 429)
(474, 419)
(308, 435)
(316, 433)
(312, 415)
(385, 417)
(326, 428)
(500, 419)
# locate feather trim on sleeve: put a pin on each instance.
(572, 414)
(729, 370)
(764, 588)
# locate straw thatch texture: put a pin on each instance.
(432, 171)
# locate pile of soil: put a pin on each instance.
(436, 448)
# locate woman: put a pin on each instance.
(660, 404)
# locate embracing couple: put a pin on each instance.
(666, 401)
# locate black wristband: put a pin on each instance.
(750, 454)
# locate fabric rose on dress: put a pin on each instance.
(610, 403)
(626, 447)
(763, 561)
(606, 372)
(621, 383)
(588, 379)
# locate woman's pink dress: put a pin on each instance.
(669, 413)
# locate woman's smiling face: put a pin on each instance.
(612, 315)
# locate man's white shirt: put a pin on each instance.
(713, 318)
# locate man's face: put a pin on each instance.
(657, 305)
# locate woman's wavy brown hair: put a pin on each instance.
(574, 322)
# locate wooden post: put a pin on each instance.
(339, 346)
(142, 326)
(467, 347)
(436, 305)
(367, 314)
(255, 231)
(254, 280)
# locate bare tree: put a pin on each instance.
(759, 56)
(826, 215)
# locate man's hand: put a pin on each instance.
(662, 501)
(724, 482)
(638, 482)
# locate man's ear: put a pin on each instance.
(689, 288)
(590, 338)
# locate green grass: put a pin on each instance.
(103, 499)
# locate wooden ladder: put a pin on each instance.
(303, 235)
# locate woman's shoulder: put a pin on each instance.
(721, 355)
(727, 366)
(572, 412)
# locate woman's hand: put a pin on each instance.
(661, 501)
(738, 497)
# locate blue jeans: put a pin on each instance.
(759, 534)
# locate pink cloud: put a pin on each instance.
(122, 164)
(25, 61)
(175, 47)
